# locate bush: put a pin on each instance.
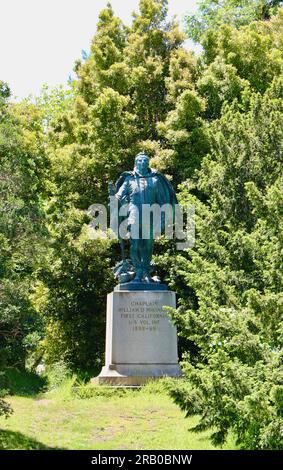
(5, 408)
(232, 396)
(233, 313)
(56, 374)
(24, 383)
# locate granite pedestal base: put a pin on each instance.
(141, 341)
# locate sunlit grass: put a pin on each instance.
(92, 419)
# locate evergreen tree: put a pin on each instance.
(22, 233)
(234, 272)
(236, 13)
(230, 283)
(124, 89)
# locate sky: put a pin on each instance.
(41, 39)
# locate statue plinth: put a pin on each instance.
(140, 286)
(141, 341)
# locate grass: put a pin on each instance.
(93, 417)
(24, 383)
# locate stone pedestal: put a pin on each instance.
(141, 341)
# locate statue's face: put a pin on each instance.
(142, 163)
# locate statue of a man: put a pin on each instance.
(143, 186)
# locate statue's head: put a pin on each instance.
(142, 163)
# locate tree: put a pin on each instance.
(235, 275)
(214, 13)
(254, 50)
(5, 408)
(22, 232)
(124, 89)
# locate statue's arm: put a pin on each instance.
(111, 189)
(123, 193)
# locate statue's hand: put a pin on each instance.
(111, 189)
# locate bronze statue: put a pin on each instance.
(135, 190)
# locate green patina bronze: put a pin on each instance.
(142, 186)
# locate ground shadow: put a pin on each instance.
(24, 383)
(11, 440)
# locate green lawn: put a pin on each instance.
(124, 420)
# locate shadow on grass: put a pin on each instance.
(24, 383)
(11, 440)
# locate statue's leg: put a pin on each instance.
(134, 252)
(147, 255)
(123, 252)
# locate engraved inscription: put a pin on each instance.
(143, 316)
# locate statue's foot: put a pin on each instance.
(138, 277)
(148, 278)
(124, 277)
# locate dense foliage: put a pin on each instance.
(236, 13)
(230, 283)
(213, 125)
(234, 314)
(22, 167)
(124, 89)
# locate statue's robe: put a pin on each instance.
(135, 190)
